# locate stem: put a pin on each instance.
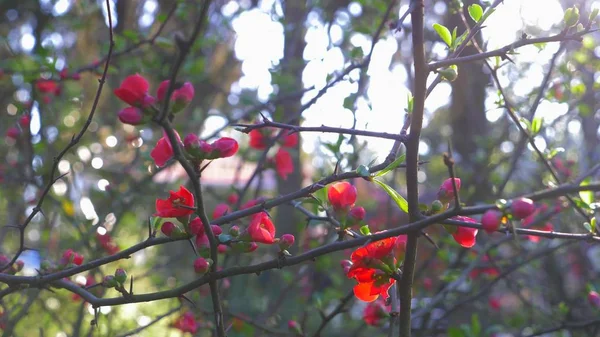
(412, 167)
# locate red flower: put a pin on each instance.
(367, 264)
(220, 210)
(131, 115)
(491, 220)
(284, 165)
(495, 303)
(465, 236)
(375, 313)
(47, 86)
(290, 139)
(24, 121)
(522, 208)
(341, 195)
(133, 90)
(163, 151)
(257, 140)
(446, 191)
(232, 199)
(261, 229)
(186, 323)
(178, 204)
(224, 147)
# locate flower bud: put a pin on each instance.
(196, 227)
(222, 249)
(233, 198)
(13, 133)
(234, 231)
(522, 208)
(446, 192)
(286, 241)
(490, 220)
(131, 115)
(202, 265)
(224, 147)
(168, 229)
(120, 276)
(594, 299)
(216, 230)
(357, 214)
(24, 121)
(109, 281)
(437, 206)
(295, 327)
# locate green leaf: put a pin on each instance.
(455, 332)
(476, 12)
(444, 33)
(392, 166)
(536, 125)
(593, 225)
(571, 16)
(398, 199)
(593, 14)
(588, 227)
(586, 196)
(475, 325)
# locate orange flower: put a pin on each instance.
(372, 266)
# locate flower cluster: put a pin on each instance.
(282, 160)
(522, 209)
(134, 91)
(195, 149)
(14, 268)
(373, 267)
(180, 205)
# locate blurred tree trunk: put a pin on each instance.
(467, 117)
(292, 66)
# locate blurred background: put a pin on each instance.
(290, 61)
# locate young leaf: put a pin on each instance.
(476, 12)
(400, 201)
(586, 196)
(444, 33)
(536, 125)
(391, 166)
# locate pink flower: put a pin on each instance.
(163, 151)
(446, 191)
(133, 90)
(224, 147)
(183, 93)
(261, 229)
(465, 236)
